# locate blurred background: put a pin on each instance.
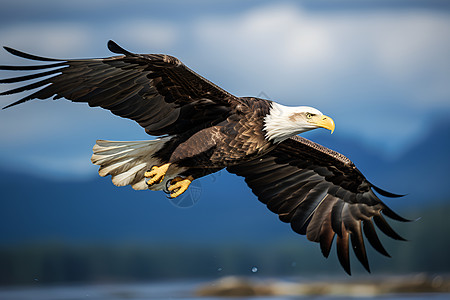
(380, 69)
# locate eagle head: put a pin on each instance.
(282, 122)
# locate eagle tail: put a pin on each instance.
(127, 162)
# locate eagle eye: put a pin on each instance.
(309, 115)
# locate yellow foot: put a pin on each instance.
(156, 174)
(179, 185)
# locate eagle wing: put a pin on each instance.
(321, 194)
(155, 90)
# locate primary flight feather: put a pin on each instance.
(203, 129)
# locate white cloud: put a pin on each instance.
(283, 38)
(279, 36)
(60, 39)
(75, 39)
(147, 34)
(60, 168)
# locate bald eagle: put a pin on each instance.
(203, 129)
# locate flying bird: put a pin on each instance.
(202, 129)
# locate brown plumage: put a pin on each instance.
(204, 129)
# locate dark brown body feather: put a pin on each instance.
(237, 139)
(318, 191)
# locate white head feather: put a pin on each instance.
(282, 122)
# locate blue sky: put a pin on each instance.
(381, 69)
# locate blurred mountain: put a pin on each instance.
(34, 209)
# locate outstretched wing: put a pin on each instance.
(321, 194)
(155, 90)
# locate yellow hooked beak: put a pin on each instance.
(326, 122)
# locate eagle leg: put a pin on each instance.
(179, 185)
(156, 174)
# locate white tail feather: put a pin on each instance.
(127, 162)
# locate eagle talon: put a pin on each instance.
(168, 184)
(179, 185)
(156, 174)
(171, 182)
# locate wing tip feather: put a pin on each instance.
(393, 215)
(22, 54)
(115, 48)
(386, 193)
(386, 228)
(13, 104)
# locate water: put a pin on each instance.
(159, 290)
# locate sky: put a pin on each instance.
(380, 69)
